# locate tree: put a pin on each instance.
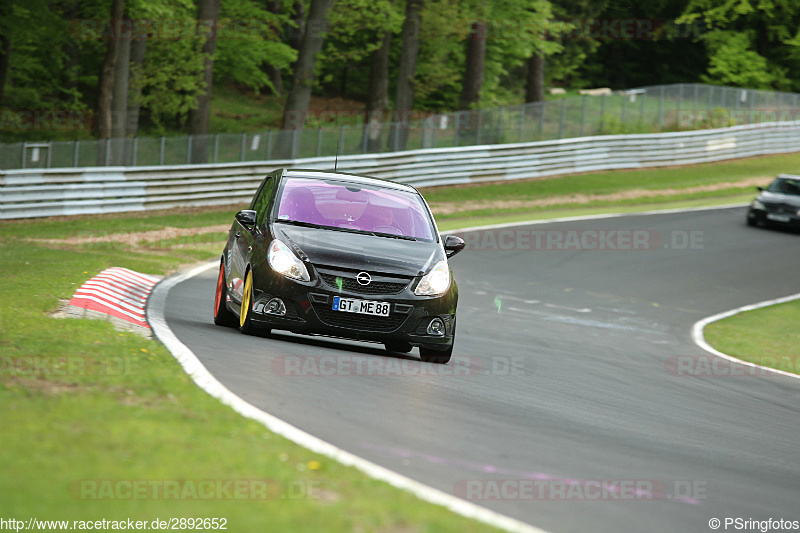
(377, 95)
(750, 43)
(404, 97)
(207, 13)
(476, 58)
(296, 108)
(106, 82)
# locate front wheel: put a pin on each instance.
(245, 316)
(222, 316)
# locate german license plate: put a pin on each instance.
(778, 218)
(362, 307)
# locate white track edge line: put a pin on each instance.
(700, 325)
(206, 381)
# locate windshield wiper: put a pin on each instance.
(346, 230)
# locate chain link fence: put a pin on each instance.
(644, 110)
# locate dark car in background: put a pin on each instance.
(340, 255)
(778, 204)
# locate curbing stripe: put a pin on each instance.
(700, 340)
(206, 381)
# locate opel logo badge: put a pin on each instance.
(363, 278)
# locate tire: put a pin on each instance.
(222, 316)
(430, 355)
(245, 316)
(752, 222)
(398, 346)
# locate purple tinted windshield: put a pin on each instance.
(340, 204)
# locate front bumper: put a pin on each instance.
(309, 310)
(773, 216)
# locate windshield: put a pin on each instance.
(354, 206)
(785, 186)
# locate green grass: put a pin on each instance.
(766, 336)
(132, 413)
(618, 181)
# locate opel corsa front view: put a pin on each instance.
(340, 255)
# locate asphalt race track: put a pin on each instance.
(571, 369)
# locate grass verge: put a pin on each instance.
(766, 336)
(89, 412)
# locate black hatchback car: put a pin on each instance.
(778, 204)
(344, 256)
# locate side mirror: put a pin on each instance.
(453, 245)
(760, 189)
(246, 217)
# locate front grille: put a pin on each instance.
(358, 321)
(781, 208)
(349, 283)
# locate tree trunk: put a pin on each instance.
(298, 31)
(106, 84)
(138, 48)
(534, 86)
(404, 98)
(473, 74)
(377, 95)
(119, 102)
(199, 118)
(5, 52)
(296, 108)
(274, 73)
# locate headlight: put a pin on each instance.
(283, 261)
(757, 205)
(434, 282)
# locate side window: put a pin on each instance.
(261, 203)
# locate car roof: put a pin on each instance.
(344, 176)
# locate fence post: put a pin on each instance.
(49, 153)
(319, 140)
(543, 106)
(75, 154)
(583, 114)
(563, 117)
(189, 149)
(269, 145)
(244, 141)
(661, 109)
(340, 144)
(480, 127)
(161, 152)
(108, 151)
(624, 112)
(521, 120)
(24, 151)
(603, 114)
(216, 147)
(135, 151)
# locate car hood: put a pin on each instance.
(359, 251)
(777, 198)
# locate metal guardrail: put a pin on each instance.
(49, 192)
